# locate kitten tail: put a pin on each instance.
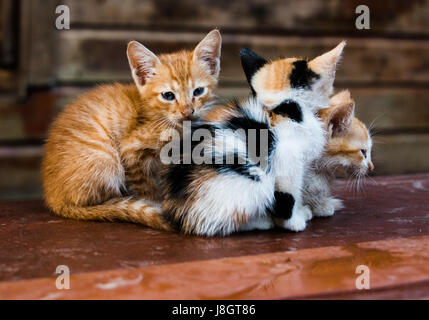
(128, 209)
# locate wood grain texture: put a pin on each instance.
(36, 241)
(306, 273)
(8, 81)
(20, 172)
(401, 153)
(7, 32)
(372, 61)
(306, 16)
(38, 42)
(29, 119)
(8, 44)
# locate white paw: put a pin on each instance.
(259, 223)
(296, 223)
(337, 203)
(264, 224)
(305, 211)
(326, 207)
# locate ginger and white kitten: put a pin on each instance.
(293, 90)
(101, 156)
(220, 198)
(347, 154)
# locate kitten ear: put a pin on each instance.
(207, 52)
(251, 63)
(325, 65)
(342, 97)
(142, 62)
(341, 118)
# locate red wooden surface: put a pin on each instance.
(386, 227)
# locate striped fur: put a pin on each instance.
(101, 156)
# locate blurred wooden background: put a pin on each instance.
(41, 68)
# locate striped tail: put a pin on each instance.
(128, 209)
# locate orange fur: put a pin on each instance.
(347, 154)
(273, 79)
(274, 76)
(348, 143)
(101, 155)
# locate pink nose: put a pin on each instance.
(371, 166)
(187, 113)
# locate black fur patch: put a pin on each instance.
(283, 206)
(172, 220)
(251, 63)
(242, 169)
(301, 76)
(290, 109)
(179, 176)
(247, 123)
(124, 191)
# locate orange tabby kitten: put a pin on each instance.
(102, 151)
(347, 153)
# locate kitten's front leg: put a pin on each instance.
(289, 212)
(258, 223)
(142, 164)
(308, 214)
(317, 194)
(298, 220)
(327, 206)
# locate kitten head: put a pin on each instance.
(348, 148)
(176, 86)
(292, 80)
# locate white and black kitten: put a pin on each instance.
(218, 197)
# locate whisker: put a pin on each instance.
(372, 124)
(352, 181)
(373, 181)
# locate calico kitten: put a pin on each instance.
(217, 198)
(347, 153)
(102, 150)
(292, 90)
(220, 198)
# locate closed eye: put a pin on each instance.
(364, 152)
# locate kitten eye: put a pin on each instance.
(168, 95)
(363, 152)
(198, 91)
